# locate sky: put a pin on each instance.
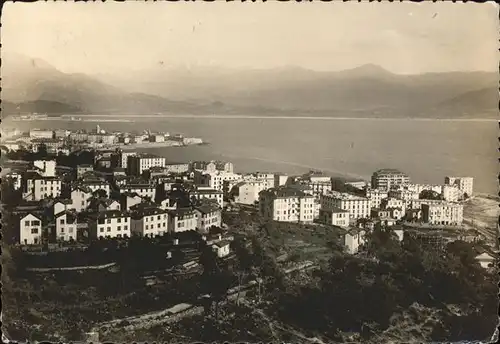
(110, 37)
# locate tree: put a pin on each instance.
(431, 195)
(215, 280)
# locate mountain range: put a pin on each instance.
(33, 85)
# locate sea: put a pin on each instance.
(427, 150)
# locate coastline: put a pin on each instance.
(132, 146)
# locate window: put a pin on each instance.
(109, 229)
(119, 221)
(34, 230)
(147, 227)
(119, 228)
(159, 225)
(125, 228)
(35, 223)
(26, 223)
(158, 217)
(147, 219)
(101, 229)
(61, 221)
(109, 221)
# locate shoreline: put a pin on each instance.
(132, 146)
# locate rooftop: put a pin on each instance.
(283, 191)
(344, 196)
(389, 171)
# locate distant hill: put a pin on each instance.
(38, 106)
(367, 90)
(482, 102)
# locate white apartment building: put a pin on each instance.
(41, 134)
(465, 184)
(375, 196)
(404, 194)
(30, 229)
(123, 158)
(149, 222)
(182, 219)
(80, 197)
(418, 203)
(418, 188)
(61, 205)
(66, 225)
(137, 164)
(334, 217)
(247, 192)
(443, 213)
(215, 180)
(36, 187)
(287, 205)
(451, 193)
(46, 168)
(143, 190)
(208, 214)
(111, 223)
(358, 207)
(176, 167)
(207, 193)
(387, 178)
(391, 202)
(212, 166)
(353, 239)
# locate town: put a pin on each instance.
(65, 141)
(76, 210)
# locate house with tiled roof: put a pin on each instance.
(286, 204)
(208, 214)
(182, 219)
(66, 225)
(353, 238)
(110, 223)
(148, 221)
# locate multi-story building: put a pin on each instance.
(182, 219)
(247, 192)
(82, 169)
(212, 166)
(137, 164)
(122, 158)
(46, 168)
(66, 225)
(142, 189)
(111, 223)
(465, 184)
(208, 214)
(451, 193)
(176, 167)
(418, 188)
(200, 193)
(80, 197)
(443, 213)
(387, 178)
(149, 221)
(358, 207)
(215, 180)
(157, 138)
(30, 229)
(353, 239)
(61, 133)
(335, 217)
(51, 145)
(375, 196)
(391, 202)
(79, 136)
(404, 194)
(15, 179)
(286, 204)
(41, 134)
(35, 187)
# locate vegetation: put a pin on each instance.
(430, 194)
